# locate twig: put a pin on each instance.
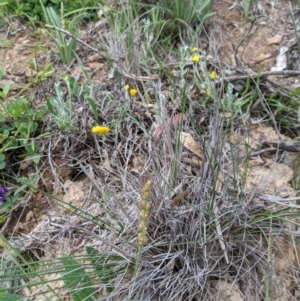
(274, 198)
(291, 149)
(262, 151)
(267, 58)
(75, 38)
(262, 74)
(254, 154)
(221, 80)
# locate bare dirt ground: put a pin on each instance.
(241, 47)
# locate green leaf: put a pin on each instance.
(28, 181)
(93, 106)
(197, 81)
(2, 165)
(36, 158)
(6, 88)
(11, 297)
(86, 75)
(29, 151)
(51, 105)
(2, 158)
(5, 206)
(40, 112)
(295, 92)
(107, 266)
(77, 280)
(2, 138)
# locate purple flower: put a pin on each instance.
(67, 37)
(3, 191)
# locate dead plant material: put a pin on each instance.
(178, 198)
(187, 140)
(170, 123)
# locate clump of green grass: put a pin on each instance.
(171, 18)
(33, 9)
(247, 6)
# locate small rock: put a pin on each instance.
(274, 40)
(77, 72)
(281, 60)
(95, 66)
(95, 57)
(12, 87)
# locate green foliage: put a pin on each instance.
(81, 274)
(285, 108)
(161, 21)
(106, 266)
(18, 125)
(237, 104)
(61, 111)
(6, 88)
(13, 267)
(14, 199)
(171, 17)
(12, 297)
(32, 9)
(247, 6)
(295, 25)
(41, 75)
(66, 44)
(77, 280)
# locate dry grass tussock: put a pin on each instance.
(185, 252)
(216, 234)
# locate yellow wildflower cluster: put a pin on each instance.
(196, 58)
(131, 91)
(144, 213)
(103, 130)
(213, 75)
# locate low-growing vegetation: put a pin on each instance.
(137, 163)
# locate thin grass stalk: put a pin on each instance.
(295, 26)
(269, 273)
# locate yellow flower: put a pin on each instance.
(208, 92)
(196, 58)
(194, 49)
(66, 78)
(132, 92)
(213, 74)
(104, 130)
